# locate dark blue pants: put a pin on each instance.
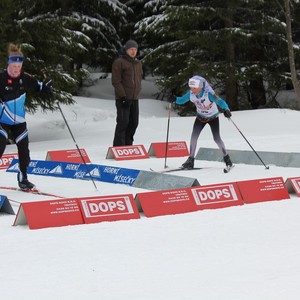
(19, 133)
(127, 123)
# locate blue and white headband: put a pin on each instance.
(15, 58)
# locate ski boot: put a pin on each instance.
(24, 183)
(228, 163)
(189, 164)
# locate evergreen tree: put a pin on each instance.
(127, 30)
(101, 21)
(291, 52)
(7, 9)
(60, 38)
(135, 13)
(239, 46)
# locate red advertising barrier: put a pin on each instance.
(293, 185)
(217, 196)
(53, 213)
(178, 201)
(72, 156)
(109, 208)
(266, 189)
(6, 159)
(127, 152)
(167, 202)
(175, 149)
(75, 211)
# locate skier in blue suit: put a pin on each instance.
(206, 102)
(14, 85)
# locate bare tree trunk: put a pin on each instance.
(230, 82)
(295, 81)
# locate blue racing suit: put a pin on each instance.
(12, 112)
(207, 113)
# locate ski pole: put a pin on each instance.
(84, 162)
(267, 167)
(167, 139)
(3, 107)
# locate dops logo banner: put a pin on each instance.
(78, 171)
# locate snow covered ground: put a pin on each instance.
(245, 252)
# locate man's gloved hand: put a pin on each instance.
(125, 102)
(227, 113)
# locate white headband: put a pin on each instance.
(195, 83)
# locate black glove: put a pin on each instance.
(227, 113)
(172, 98)
(125, 102)
(48, 82)
(47, 85)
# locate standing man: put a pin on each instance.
(127, 74)
(14, 85)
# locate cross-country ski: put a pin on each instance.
(32, 191)
(176, 170)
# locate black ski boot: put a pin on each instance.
(189, 164)
(227, 161)
(24, 183)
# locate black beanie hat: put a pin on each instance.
(131, 44)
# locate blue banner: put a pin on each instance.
(78, 171)
(2, 199)
(5, 206)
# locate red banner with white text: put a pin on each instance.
(109, 208)
(170, 149)
(265, 189)
(127, 152)
(72, 156)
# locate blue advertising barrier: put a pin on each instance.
(5, 205)
(78, 171)
(131, 177)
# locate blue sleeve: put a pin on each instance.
(184, 99)
(220, 102)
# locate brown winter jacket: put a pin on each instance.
(127, 74)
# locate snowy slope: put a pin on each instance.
(246, 252)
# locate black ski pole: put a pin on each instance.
(267, 167)
(167, 139)
(3, 107)
(84, 162)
